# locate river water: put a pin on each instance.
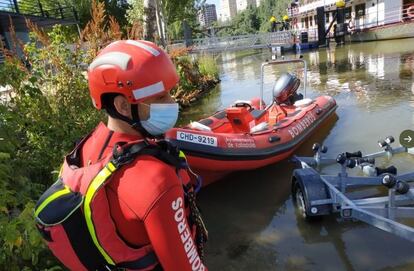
(250, 214)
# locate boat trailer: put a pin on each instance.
(316, 195)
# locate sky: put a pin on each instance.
(215, 2)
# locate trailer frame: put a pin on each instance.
(317, 195)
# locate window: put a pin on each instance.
(360, 10)
(327, 17)
(310, 21)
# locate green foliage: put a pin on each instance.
(196, 76)
(179, 10)
(48, 7)
(189, 72)
(256, 19)
(117, 9)
(48, 110)
(208, 66)
(175, 31)
(83, 8)
(135, 12)
(247, 22)
(113, 8)
(175, 12)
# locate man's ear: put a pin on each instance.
(122, 106)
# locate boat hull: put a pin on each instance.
(214, 155)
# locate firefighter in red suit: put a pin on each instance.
(131, 80)
(151, 222)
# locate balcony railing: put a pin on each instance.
(376, 18)
(49, 9)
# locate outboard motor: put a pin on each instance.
(285, 88)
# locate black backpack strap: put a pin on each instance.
(162, 150)
(165, 152)
(73, 158)
(124, 153)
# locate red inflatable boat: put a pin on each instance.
(244, 136)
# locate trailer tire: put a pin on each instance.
(307, 186)
(299, 202)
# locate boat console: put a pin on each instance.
(240, 118)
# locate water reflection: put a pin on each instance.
(250, 215)
(379, 77)
(203, 107)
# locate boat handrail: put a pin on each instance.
(279, 62)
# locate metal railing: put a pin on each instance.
(251, 41)
(40, 8)
(379, 18)
(243, 40)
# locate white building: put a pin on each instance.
(207, 15)
(243, 4)
(228, 10)
(360, 14)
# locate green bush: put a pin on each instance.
(208, 66)
(48, 110)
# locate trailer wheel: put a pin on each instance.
(307, 187)
(299, 201)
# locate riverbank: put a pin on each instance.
(198, 75)
(186, 99)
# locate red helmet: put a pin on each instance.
(135, 68)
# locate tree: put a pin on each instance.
(175, 31)
(149, 19)
(162, 17)
(256, 19)
(117, 9)
(51, 8)
(114, 8)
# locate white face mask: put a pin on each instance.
(162, 118)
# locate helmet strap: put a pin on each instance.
(136, 122)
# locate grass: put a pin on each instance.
(208, 66)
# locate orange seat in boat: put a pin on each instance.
(241, 119)
(276, 113)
